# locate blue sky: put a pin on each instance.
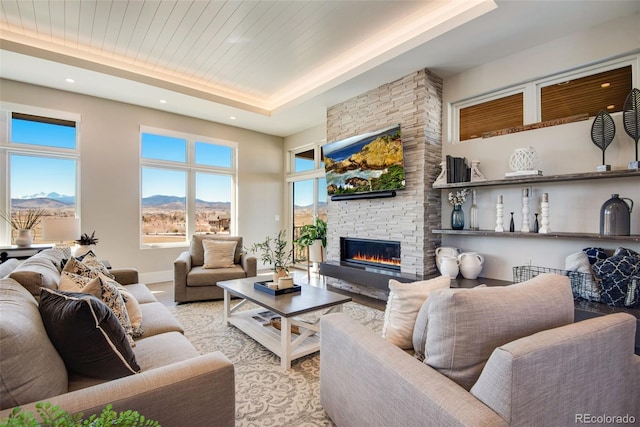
(31, 174)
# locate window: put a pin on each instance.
(588, 90)
(187, 185)
(42, 159)
(491, 115)
(308, 191)
(606, 90)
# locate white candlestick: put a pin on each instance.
(499, 215)
(525, 211)
(544, 208)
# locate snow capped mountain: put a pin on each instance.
(52, 195)
(57, 197)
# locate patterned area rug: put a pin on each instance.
(266, 394)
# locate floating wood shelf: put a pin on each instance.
(542, 179)
(554, 235)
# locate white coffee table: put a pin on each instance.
(280, 342)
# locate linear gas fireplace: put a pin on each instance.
(383, 254)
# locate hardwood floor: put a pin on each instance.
(163, 291)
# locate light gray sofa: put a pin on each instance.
(192, 282)
(176, 384)
(564, 375)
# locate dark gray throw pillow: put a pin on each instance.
(87, 335)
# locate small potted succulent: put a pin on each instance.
(85, 243)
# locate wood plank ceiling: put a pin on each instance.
(251, 50)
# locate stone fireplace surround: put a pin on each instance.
(415, 102)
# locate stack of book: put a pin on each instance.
(458, 169)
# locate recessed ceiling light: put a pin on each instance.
(232, 117)
(603, 85)
(69, 80)
(610, 107)
(163, 101)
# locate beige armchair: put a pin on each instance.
(192, 282)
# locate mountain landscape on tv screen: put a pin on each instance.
(372, 164)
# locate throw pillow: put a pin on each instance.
(595, 254)
(87, 335)
(133, 307)
(72, 282)
(77, 267)
(466, 325)
(615, 274)
(101, 287)
(218, 253)
(403, 304)
(89, 259)
(620, 251)
(421, 327)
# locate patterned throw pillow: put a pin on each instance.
(102, 288)
(89, 266)
(620, 251)
(133, 307)
(89, 259)
(72, 282)
(615, 275)
(595, 254)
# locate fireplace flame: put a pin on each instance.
(376, 259)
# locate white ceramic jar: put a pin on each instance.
(471, 264)
(449, 266)
(446, 251)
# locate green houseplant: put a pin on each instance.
(314, 237)
(53, 415)
(276, 252)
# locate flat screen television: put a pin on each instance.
(365, 164)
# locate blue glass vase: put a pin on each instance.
(457, 217)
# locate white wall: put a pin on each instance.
(574, 206)
(110, 169)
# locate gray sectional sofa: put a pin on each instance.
(504, 356)
(175, 384)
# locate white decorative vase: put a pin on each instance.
(446, 251)
(24, 238)
(449, 266)
(81, 250)
(471, 264)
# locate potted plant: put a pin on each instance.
(53, 415)
(275, 252)
(314, 237)
(86, 243)
(23, 222)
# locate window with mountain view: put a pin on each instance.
(187, 187)
(42, 159)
